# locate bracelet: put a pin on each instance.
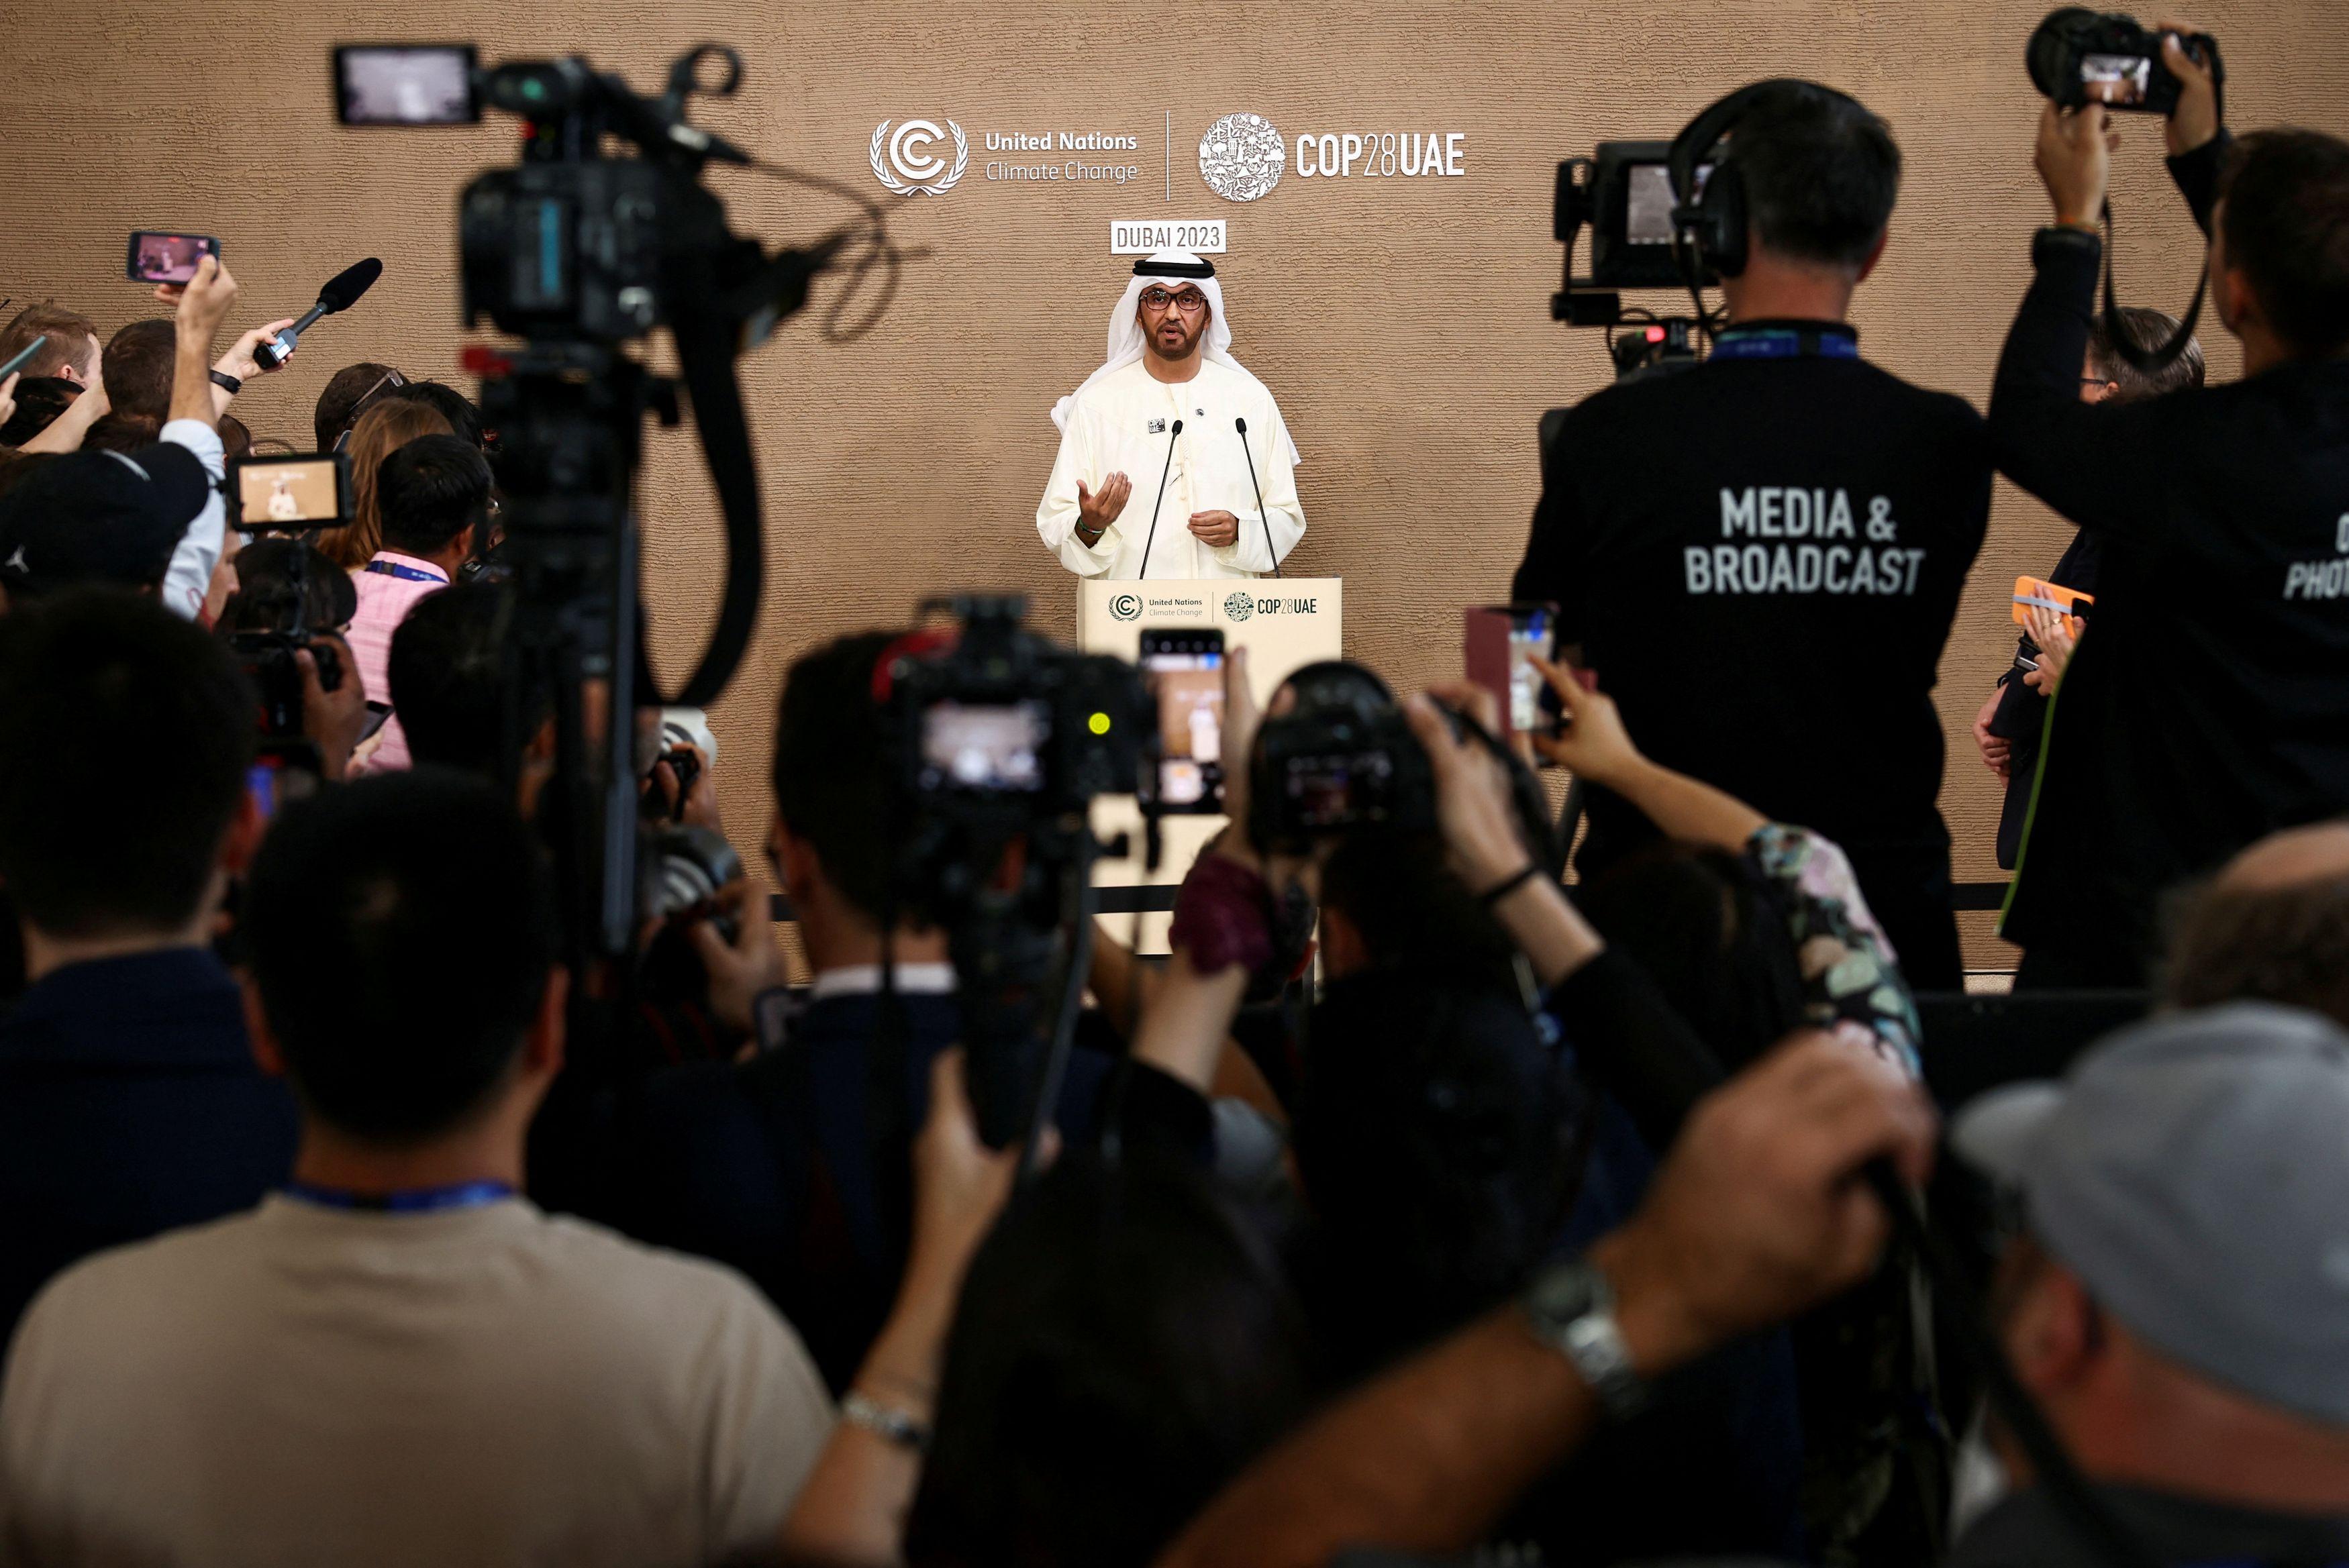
(890, 1426)
(228, 383)
(1509, 884)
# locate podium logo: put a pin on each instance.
(904, 162)
(1241, 157)
(1238, 606)
(1126, 607)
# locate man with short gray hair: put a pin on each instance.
(2180, 1307)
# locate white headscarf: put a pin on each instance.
(1125, 344)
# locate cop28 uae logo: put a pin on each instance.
(1238, 606)
(1241, 157)
(905, 163)
(1126, 607)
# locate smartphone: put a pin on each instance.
(2037, 592)
(1184, 670)
(1497, 645)
(406, 83)
(23, 356)
(293, 494)
(157, 257)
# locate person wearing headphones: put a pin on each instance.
(1719, 537)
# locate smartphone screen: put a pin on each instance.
(159, 258)
(309, 490)
(1185, 672)
(404, 84)
(1532, 630)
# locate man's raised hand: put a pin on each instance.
(206, 301)
(2074, 158)
(1096, 512)
(2195, 120)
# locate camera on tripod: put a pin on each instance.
(1623, 193)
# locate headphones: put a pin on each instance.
(1709, 226)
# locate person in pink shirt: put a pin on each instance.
(432, 494)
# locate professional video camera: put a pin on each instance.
(1623, 193)
(577, 251)
(1002, 741)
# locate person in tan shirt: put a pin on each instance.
(399, 1359)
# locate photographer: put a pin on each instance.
(2204, 707)
(1719, 537)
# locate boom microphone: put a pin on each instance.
(1164, 470)
(1262, 516)
(342, 292)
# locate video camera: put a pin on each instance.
(1623, 193)
(288, 591)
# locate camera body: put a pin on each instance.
(1342, 758)
(2078, 56)
(267, 660)
(1623, 193)
(1003, 734)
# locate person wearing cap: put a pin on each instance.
(2179, 1305)
(151, 518)
(1170, 401)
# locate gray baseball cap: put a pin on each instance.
(2193, 1171)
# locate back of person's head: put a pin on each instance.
(2284, 223)
(1707, 929)
(830, 767)
(383, 429)
(2272, 927)
(339, 404)
(1122, 1349)
(116, 430)
(430, 494)
(1402, 907)
(281, 583)
(72, 342)
(125, 737)
(451, 404)
(401, 930)
(137, 367)
(2146, 328)
(448, 675)
(1435, 1133)
(1821, 175)
(39, 400)
(236, 438)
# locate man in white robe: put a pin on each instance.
(1170, 401)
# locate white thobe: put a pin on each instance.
(1122, 424)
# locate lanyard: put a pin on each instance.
(406, 573)
(1785, 342)
(412, 1200)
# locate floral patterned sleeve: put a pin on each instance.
(1851, 976)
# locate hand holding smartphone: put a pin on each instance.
(157, 257)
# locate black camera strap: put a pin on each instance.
(2122, 337)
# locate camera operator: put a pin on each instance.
(2009, 726)
(1719, 538)
(431, 494)
(2204, 707)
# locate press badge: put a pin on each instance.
(1158, 427)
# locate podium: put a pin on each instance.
(1284, 624)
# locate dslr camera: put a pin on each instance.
(2078, 56)
(1342, 757)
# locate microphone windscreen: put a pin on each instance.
(343, 289)
(1240, 425)
(1178, 428)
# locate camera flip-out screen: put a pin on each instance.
(404, 84)
(994, 747)
(311, 491)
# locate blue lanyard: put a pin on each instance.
(414, 1200)
(406, 573)
(1785, 342)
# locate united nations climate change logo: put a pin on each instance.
(1241, 157)
(1238, 606)
(1126, 607)
(906, 153)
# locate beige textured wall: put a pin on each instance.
(1402, 323)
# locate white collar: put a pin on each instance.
(864, 980)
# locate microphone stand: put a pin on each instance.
(1164, 470)
(1262, 516)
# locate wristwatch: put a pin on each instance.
(1571, 1308)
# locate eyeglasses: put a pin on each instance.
(1190, 302)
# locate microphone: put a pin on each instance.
(1262, 516)
(342, 292)
(1164, 469)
